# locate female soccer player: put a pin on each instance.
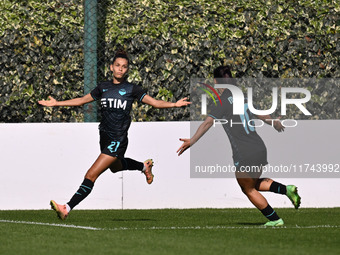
(116, 97)
(248, 150)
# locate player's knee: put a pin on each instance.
(91, 176)
(247, 190)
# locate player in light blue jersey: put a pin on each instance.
(116, 97)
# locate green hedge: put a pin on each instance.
(41, 54)
(169, 42)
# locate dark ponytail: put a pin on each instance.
(222, 74)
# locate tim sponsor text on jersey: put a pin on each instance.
(113, 103)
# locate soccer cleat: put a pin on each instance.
(148, 170)
(60, 210)
(274, 223)
(293, 195)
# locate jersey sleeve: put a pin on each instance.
(138, 92)
(96, 93)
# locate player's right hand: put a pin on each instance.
(50, 102)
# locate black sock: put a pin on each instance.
(269, 213)
(131, 164)
(83, 191)
(278, 188)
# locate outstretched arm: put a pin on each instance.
(275, 123)
(72, 102)
(202, 129)
(163, 104)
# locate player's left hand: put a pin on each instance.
(182, 102)
(278, 126)
(186, 145)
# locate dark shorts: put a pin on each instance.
(253, 171)
(114, 146)
(252, 165)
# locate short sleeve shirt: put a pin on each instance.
(116, 103)
(247, 146)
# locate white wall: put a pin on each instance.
(40, 162)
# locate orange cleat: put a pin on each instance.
(60, 210)
(148, 170)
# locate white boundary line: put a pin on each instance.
(166, 228)
(50, 224)
(223, 227)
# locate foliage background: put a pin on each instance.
(169, 42)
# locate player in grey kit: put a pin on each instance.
(248, 151)
(116, 97)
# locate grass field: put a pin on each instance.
(169, 231)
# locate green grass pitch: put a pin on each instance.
(169, 231)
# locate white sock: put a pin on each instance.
(68, 208)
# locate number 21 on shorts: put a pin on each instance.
(113, 147)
